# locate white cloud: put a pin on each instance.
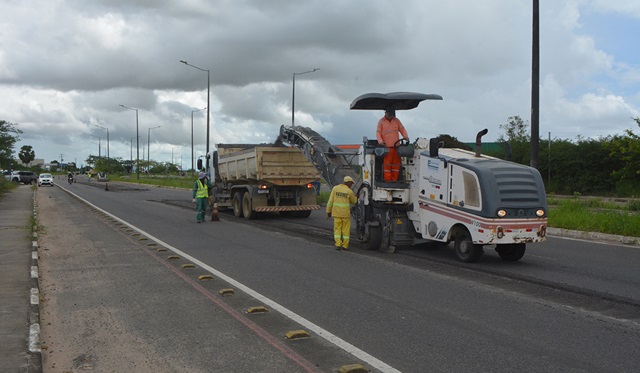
(73, 68)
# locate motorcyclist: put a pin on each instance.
(70, 178)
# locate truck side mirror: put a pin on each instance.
(200, 164)
(433, 147)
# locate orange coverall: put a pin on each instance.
(387, 135)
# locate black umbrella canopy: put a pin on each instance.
(393, 100)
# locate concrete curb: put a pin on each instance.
(35, 351)
(594, 236)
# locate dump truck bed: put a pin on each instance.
(264, 163)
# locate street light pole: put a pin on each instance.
(192, 164)
(99, 150)
(293, 95)
(137, 142)
(108, 156)
(149, 145)
(208, 103)
(131, 159)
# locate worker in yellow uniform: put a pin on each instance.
(201, 196)
(339, 207)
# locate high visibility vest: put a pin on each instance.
(203, 190)
(340, 201)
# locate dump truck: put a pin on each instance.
(442, 195)
(262, 178)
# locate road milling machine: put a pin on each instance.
(442, 195)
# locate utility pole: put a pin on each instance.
(535, 87)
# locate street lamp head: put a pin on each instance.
(184, 62)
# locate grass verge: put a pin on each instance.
(591, 215)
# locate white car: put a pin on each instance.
(45, 179)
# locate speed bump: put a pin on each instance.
(160, 250)
(205, 277)
(152, 244)
(173, 257)
(257, 309)
(227, 292)
(186, 266)
(297, 334)
(353, 368)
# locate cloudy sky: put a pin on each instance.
(66, 66)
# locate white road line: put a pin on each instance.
(346, 346)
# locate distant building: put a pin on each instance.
(36, 162)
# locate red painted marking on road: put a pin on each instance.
(270, 339)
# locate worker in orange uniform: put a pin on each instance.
(339, 207)
(387, 135)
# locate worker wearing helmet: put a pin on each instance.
(387, 135)
(339, 207)
(201, 195)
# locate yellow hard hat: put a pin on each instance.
(348, 179)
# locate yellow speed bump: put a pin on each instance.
(152, 244)
(205, 277)
(160, 250)
(297, 334)
(173, 257)
(187, 266)
(353, 368)
(227, 292)
(257, 309)
(143, 238)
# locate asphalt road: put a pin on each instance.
(567, 306)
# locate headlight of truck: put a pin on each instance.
(502, 213)
(540, 213)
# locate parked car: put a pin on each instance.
(25, 177)
(45, 179)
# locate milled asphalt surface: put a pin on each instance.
(19, 288)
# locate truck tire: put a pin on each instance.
(302, 214)
(466, 250)
(246, 207)
(511, 252)
(237, 205)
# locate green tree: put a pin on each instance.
(625, 151)
(515, 129)
(517, 140)
(9, 135)
(452, 142)
(55, 165)
(27, 155)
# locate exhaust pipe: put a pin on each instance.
(479, 141)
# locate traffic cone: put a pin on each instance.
(106, 187)
(214, 213)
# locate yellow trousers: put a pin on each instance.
(341, 230)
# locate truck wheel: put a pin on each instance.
(375, 238)
(246, 207)
(512, 252)
(302, 214)
(237, 205)
(466, 251)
